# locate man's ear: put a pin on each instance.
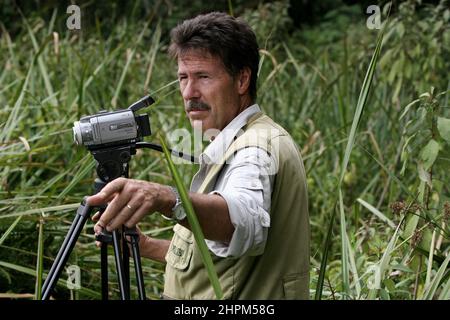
(244, 80)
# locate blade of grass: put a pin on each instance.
(42, 66)
(384, 262)
(376, 212)
(125, 69)
(431, 290)
(430, 260)
(10, 229)
(13, 118)
(39, 260)
(193, 222)
(344, 252)
(445, 293)
(70, 206)
(323, 263)
(61, 283)
(362, 99)
(86, 169)
(154, 47)
(353, 268)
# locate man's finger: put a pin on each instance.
(107, 192)
(99, 199)
(96, 216)
(113, 209)
(98, 228)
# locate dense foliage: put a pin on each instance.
(390, 237)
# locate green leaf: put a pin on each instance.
(443, 125)
(423, 174)
(61, 282)
(39, 260)
(383, 264)
(402, 267)
(445, 293)
(193, 222)
(377, 212)
(362, 99)
(431, 290)
(405, 111)
(429, 153)
(389, 284)
(10, 229)
(323, 263)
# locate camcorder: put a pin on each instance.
(114, 128)
(112, 137)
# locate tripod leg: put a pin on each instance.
(126, 263)
(60, 253)
(134, 241)
(119, 265)
(82, 215)
(138, 266)
(104, 268)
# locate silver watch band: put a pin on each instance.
(178, 212)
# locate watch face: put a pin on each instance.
(179, 213)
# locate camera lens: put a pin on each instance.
(77, 133)
(82, 132)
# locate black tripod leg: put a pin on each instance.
(104, 268)
(60, 252)
(119, 265)
(82, 215)
(133, 236)
(138, 266)
(126, 263)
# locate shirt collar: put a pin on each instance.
(217, 148)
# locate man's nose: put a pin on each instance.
(190, 91)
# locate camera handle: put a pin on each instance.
(111, 163)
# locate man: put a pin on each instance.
(249, 194)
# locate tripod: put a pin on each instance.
(112, 163)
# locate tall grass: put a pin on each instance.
(392, 239)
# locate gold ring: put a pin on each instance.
(129, 207)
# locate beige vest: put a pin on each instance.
(282, 271)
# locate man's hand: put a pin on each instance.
(129, 201)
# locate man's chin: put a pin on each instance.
(197, 124)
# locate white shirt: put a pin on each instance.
(246, 186)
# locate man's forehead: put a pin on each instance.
(198, 56)
(200, 53)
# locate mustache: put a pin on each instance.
(196, 105)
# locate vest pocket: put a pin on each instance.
(296, 286)
(180, 249)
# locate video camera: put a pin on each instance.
(112, 137)
(114, 128)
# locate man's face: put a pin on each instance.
(210, 93)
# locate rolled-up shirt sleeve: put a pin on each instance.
(246, 187)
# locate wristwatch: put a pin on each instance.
(178, 212)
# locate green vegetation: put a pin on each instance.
(377, 168)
